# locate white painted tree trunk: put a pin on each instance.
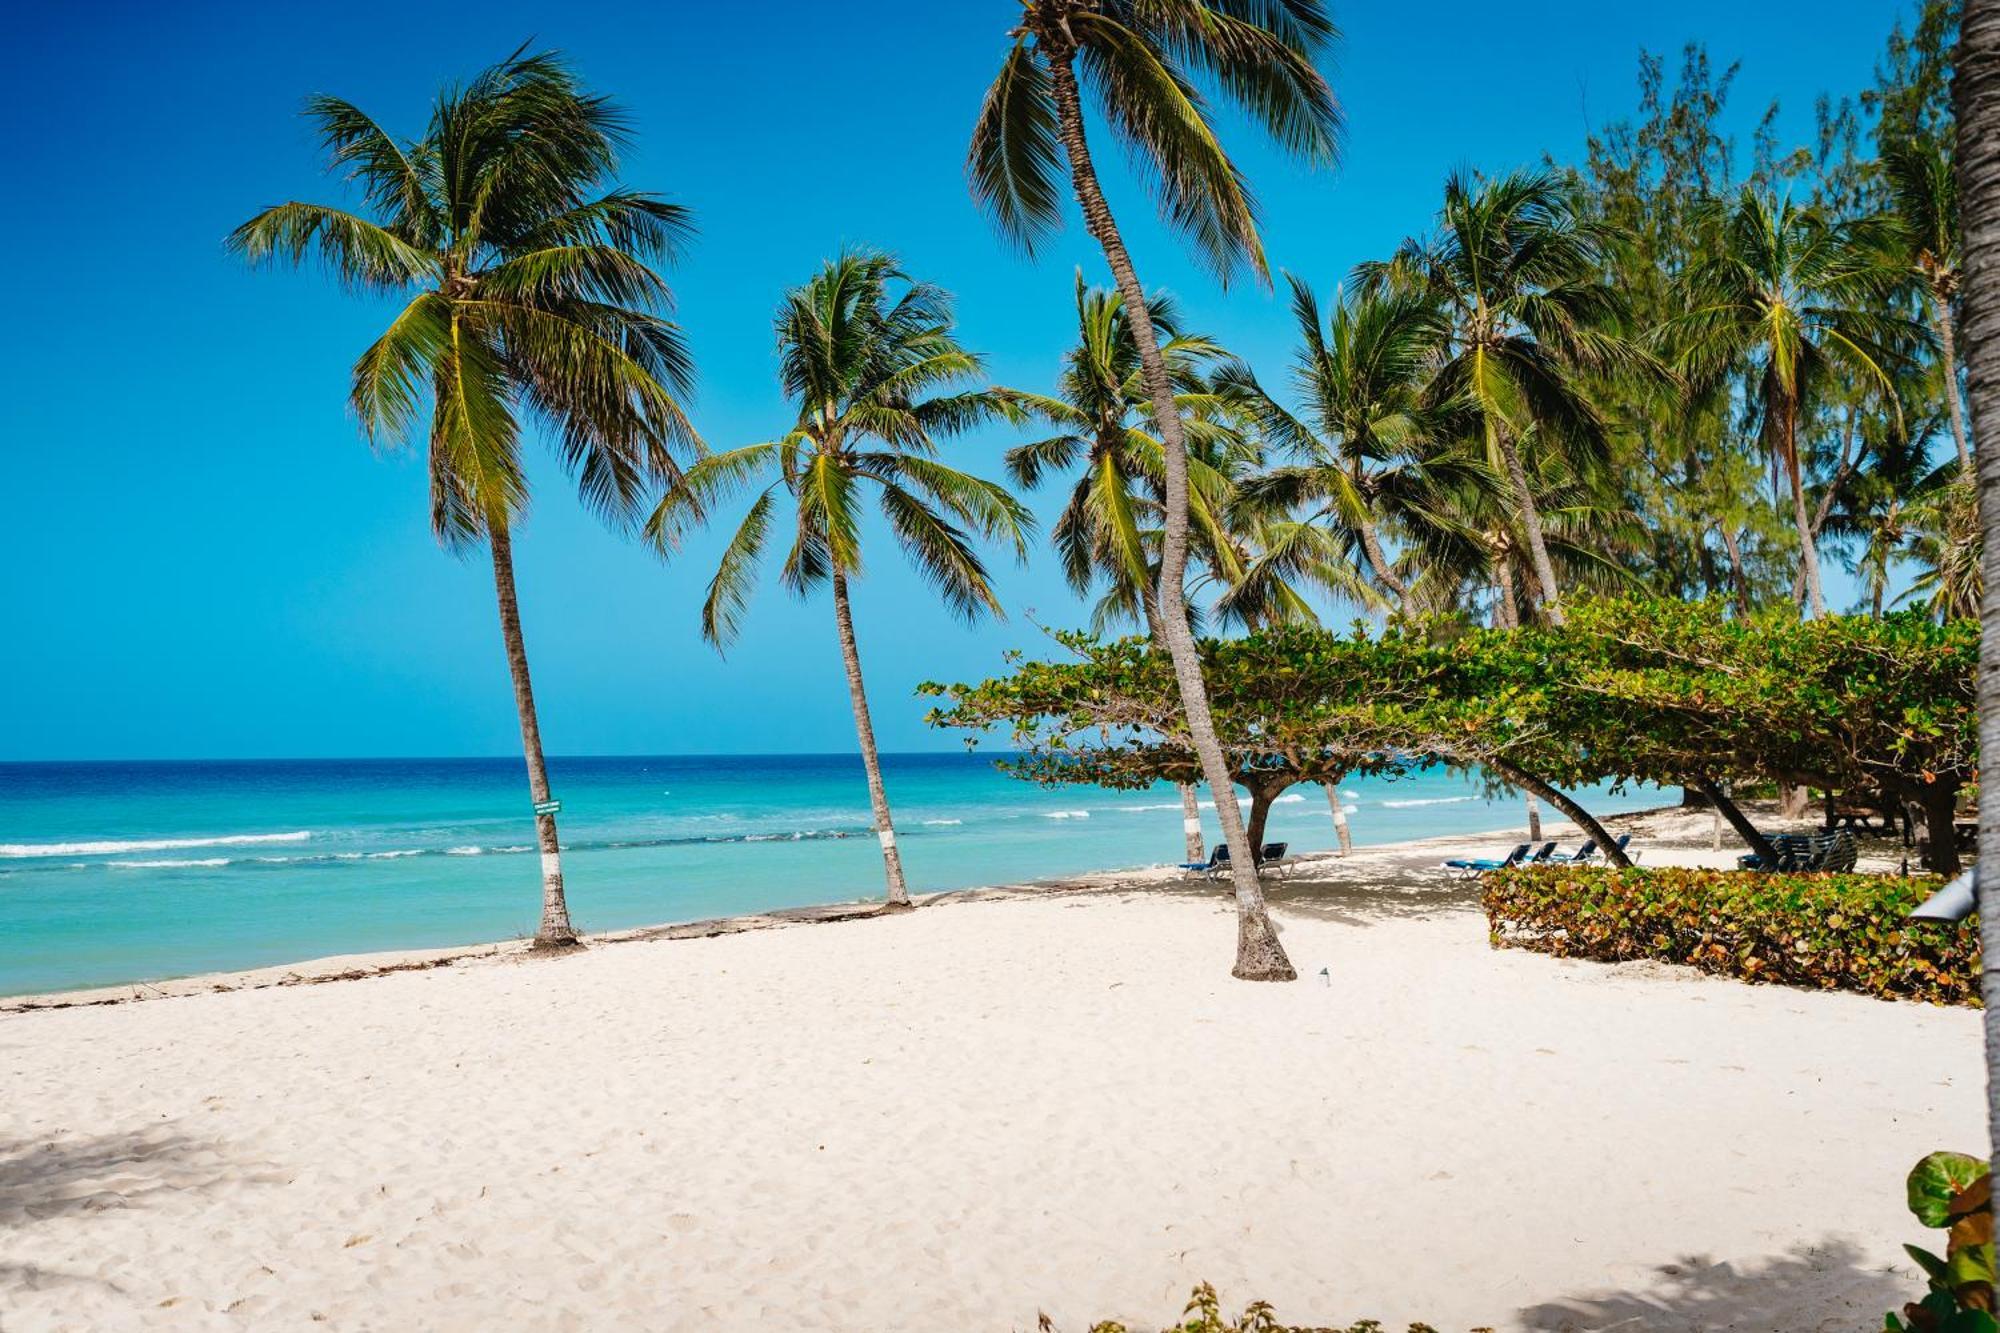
(1340, 829)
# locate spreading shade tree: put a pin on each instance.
(879, 377)
(532, 305)
(1145, 64)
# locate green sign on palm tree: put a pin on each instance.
(879, 378)
(1140, 60)
(531, 293)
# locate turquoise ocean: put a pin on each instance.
(123, 872)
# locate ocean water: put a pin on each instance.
(120, 872)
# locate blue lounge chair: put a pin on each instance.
(1467, 868)
(1582, 854)
(1548, 850)
(1217, 859)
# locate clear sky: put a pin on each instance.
(198, 556)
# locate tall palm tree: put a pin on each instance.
(1976, 99)
(1923, 218)
(879, 377)
(1372, 449)
(1792, 299)
(530, 293)
(1103, 415)
(1140, 60)
(1517, 276)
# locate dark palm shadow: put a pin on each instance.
(1827, 1286)
(43, 1178)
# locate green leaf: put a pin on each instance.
(1936, 1180)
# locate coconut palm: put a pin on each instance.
(530, 300)
(1923, 221)
(870, 357)
(1976, 96)
(1102, 413)
(1140, 60)
(1373, 452)
(1529, 321)
(1791, 299)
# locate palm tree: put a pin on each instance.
(1793, 299)
(1372, 450)
(1140, 58)
(1102, 413)
(1517, 276)
(530, 292)
(870, 357)
(1976, 99)
(1923, 217)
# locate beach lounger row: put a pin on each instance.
(1805, 852)
(1472, 868)
(1271, 860)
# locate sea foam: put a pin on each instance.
(110, 848)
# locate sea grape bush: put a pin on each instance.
(1204, 1315)
(1952, 1192)
(1827, 932)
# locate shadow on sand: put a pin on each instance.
(1820, 1288)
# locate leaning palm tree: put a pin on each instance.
(1102, 414)
(1793, 300)
(1517, 276)
(1140, 60)
(879, 378)
(1976, 99)
(530, 293)
(1923, 222)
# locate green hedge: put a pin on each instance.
(1828, 932)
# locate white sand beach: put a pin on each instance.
(992, 1107)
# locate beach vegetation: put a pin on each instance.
(1204, 1314)
(1952, 1192)
(1821, 931)
(532, 304)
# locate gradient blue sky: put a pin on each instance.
(198, 557)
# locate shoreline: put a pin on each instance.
(324, 969)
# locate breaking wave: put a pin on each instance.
(114, 848)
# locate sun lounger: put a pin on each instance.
(1467, 868)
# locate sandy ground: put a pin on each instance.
(958, 1117)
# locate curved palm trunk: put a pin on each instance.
(555, 931)
(1531, 520)
(864, 732)
(1259, 955)
(1976, 99)
(1752, 836)
(1582, 818)
(1737, 575)
(1340, 829)
(1371, 546)
(1787, 408)
(1948, 355)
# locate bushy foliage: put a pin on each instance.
(1204, 1315)
(1827, 932)
(1953, 1193)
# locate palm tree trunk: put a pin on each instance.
(555, 932)
(1737, 575)
(1582, 818)
(1948, 355)
(1191, 821)
(1371, 546)
(1534, 818)
(1787, 408)
(1976, 101)
(1531, 520)
(864, 731)
(1340, 829)
(1259, 955)
(1752, 836)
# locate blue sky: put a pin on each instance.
(202, 559)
